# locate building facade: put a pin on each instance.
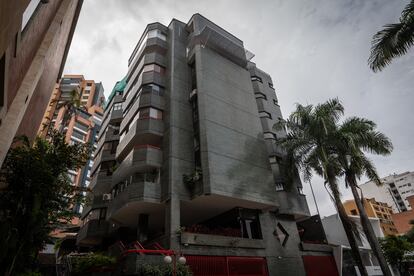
(394, 191)
(35, 36)
(403, 220)
(80, 126)
(335, 235)
(374, 209)
(196, 168)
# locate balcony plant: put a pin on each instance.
(190, 180)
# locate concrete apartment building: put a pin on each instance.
(374, 209)
(80, 127)
(196, 168)
(403, 220)
(35, 36)
(394, 191)
(336, 237)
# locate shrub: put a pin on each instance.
(89, 262)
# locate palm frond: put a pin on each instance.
(408, 12)
(391, 42)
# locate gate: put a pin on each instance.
(227, 266)
(320, 266)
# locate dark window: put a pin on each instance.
(260, 95)
(265, 114)
(271, 85)
(80, 125)
(354, 212)
(88, 84)
(275, 102)
(256, 78)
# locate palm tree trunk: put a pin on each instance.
(369, 231)
(347, 224)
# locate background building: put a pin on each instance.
(374, 209)
(80, 127)
(35, 37)
(394, 191)
(197, 168)
(335, 235)
(402, 220)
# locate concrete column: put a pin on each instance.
(142, 229)
(172, 223)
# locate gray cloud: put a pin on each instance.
(314, 50)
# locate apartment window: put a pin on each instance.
(275, 102)
(117, 106)
(156, 33)
(29, 11)
(78, 134)
(85, 97)
(88, 84)
(256, 78)
(260, 95)
(354, 212)
(271, 85)
(153, 68)
(81, 126)
(265, 114)
(146, 113)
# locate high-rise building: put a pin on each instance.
(374, 209)
(80, 126)
(197, 168)
(34, 41)
(394, 190)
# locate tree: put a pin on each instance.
(395, 249)
(71, 106)
(393, 41)
(353, 138)
(36, 197)
(308, 144)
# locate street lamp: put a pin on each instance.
(181, 260)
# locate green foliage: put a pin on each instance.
(85, 263)
(37, 196)
(191, 179)
(395, 248)
(164, 270)
(393, 41)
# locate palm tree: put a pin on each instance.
(354, 137)
(71, 106)
(393, 41)
(309, 149)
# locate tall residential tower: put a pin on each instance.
(80, 126)
(197, 168)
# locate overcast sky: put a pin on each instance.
(314, 50)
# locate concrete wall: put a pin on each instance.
(33, 60)
(234, 157)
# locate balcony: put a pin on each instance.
(143, 131)
(292, 203)
(221, 241)
(140, 159)
(146, 98)
(92, 232)
(136, 192)
(101, 182)
(104, 155)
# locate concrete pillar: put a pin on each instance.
(142, 229)
(172, 223)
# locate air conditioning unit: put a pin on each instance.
(106, 197)
(193, 93)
